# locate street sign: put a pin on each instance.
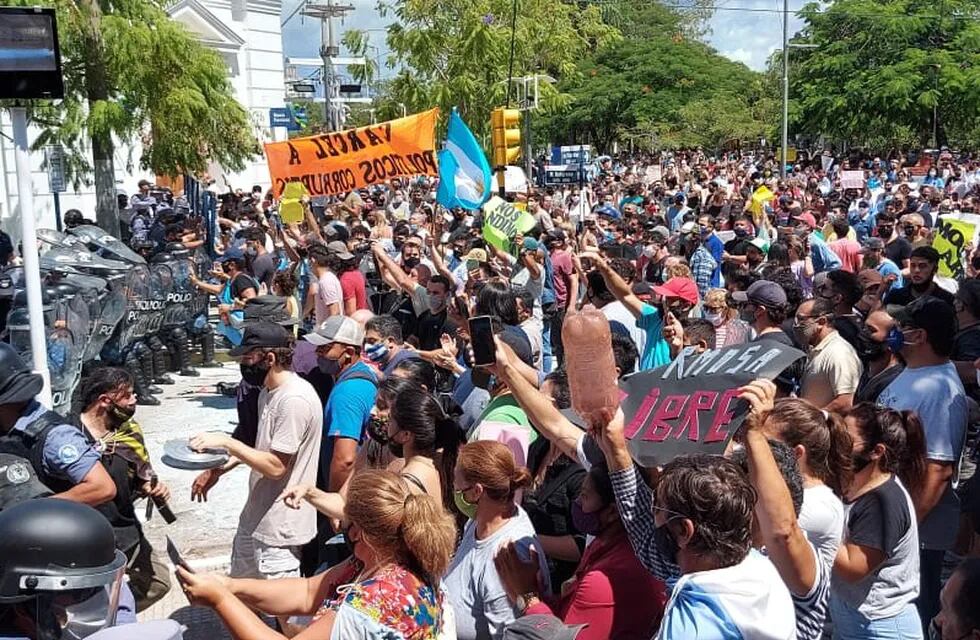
(283, 117)
(571, 154)
(303, 87)
(55, 157)
(350, 88)
(300, 117)
(562, 173)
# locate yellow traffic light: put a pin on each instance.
(506, 125)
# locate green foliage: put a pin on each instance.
(881, 66)
(455, 53)
(160, 85)
(664, 89)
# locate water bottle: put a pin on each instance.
(590, 364)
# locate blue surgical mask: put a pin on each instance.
(895, 340)
(376, 352)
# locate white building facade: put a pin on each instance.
(247, 35)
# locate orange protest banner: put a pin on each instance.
(341, 161)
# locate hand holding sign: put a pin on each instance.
(761, 396)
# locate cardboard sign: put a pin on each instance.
(341, 161)
(852, 179)
(502, 221)
(760, 199)
(691, 405)
(654, 174)
(953, 233)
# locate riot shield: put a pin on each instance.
(140, 306)
(107, 246)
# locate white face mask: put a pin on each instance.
(649, 252)
(715, 319)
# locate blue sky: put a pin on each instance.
(745, 36)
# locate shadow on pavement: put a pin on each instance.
(202, 623)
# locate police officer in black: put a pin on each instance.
(57, 450)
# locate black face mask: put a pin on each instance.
(120, 415)
(378, 429)
(396, 449)
(411, 263)
(861, 459)
(870, 349)
(255, 374)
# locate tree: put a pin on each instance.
(663, 85)
(881, 69)
(456, 53)
(133, 73)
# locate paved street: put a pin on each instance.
(203, 532)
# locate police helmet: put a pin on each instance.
(17, 383)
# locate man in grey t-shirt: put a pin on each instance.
(287, 445)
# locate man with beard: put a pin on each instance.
(763, 307)
(874, 258)
(843, 290)
(108, 404)
(833, 369)
(881, 362)
(923, 265)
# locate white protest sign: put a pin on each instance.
(852, 179)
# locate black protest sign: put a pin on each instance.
(691, 405)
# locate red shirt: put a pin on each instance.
(849, 253)
(561, 276)
(612, 592)
(353, 285)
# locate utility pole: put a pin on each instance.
(785, 138)
(328, 51)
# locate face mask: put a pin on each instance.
(747, 314)
(585, 522)
(895, 340)
(468, 509)
(704, 231)
(885, 232)
(716, 319)
(861, 459)
(376, 352)
(120, 415)
(870, 349)
(665, 542)
(741, 233)
(397, 449)
(255, 374)
(649, 252)
(328, 366)
(411, 263)
(436, 303)
(378, 429)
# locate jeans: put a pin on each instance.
(930, 584)
(546, 359)
(557, 348)
(850, 624)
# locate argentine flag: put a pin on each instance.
(464, 173)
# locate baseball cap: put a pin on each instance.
(808, 219)
(688, 227)
(661, 231)
(530, 244)
(337, 329)
(476, 255)
(683, 288)
(263, 335)
(608, 211)
(764, 293)
(18, 481)
(760, 244)
(872, 244)
(234, 253)
(338, 249)
(144, 183)
(267, 308)
(928, 312)
(556, 235)
(541, 627)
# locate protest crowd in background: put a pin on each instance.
(801, 467)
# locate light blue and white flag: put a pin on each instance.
(464, 173)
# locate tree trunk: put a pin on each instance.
(97, 89)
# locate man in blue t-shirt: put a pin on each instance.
(338, 344)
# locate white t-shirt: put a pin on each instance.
(822, 520)
(937, 395)
(479, 600)
(617, 311)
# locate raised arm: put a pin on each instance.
(617, 286)
(399, 278)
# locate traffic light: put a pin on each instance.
(506, 136)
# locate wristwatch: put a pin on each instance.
(526, 600)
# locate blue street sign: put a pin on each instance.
(282, 117)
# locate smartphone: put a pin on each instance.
(481, 336)
(176, 558)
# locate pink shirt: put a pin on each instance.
(849, 252)
(328, 292)
(354, 286)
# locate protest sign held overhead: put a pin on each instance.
(341, 161)
(691, 405)
(851, 179)
(502, 221)
(953, 233)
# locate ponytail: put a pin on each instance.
(449, 437)
(428, 534)
(901, 434)
(520, 479)
(822, 434)
(912, 463)
(840, 466)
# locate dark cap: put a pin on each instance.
(541, 627)
(764, 293)
(17, 382)
(234, 253)
(144, 183)
(263, 335)
(18, 481)
(556, 235)
(869, 277)
(268, 308)
(872, 244)
(937, 317)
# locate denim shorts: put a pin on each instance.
(850, 624)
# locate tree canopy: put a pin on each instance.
(880, 67)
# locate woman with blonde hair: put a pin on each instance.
(486, 482)
(729, 329)
(401, 542)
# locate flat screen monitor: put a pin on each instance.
(30, 62)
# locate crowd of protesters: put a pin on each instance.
(399, 490)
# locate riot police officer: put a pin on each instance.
(61, 576)
(59, 453)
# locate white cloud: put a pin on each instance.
(751, 36)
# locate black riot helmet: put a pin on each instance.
(73, 218)
(17, 383)
(163, 257)
(59, 566)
